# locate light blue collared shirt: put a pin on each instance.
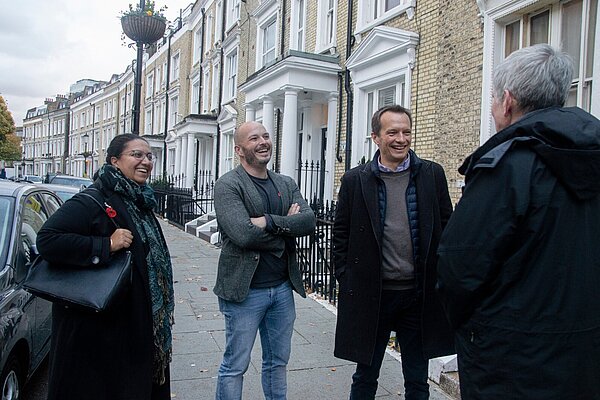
(402, 167)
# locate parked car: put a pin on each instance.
(27, 178)
(65, 192)
(25, 320)
(70, 181)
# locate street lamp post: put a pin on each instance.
(49, 164)
(85, 153)
(148, 29)
(93, 105)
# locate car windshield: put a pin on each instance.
(33, 179)
(77, 182)
(6, 205)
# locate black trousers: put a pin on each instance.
(400, 311)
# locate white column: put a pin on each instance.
(183, 161)
(268, 122)
(250, 113)
(178, 151)
(289, 136)
(268, 114)
(332, 105)
(167, 159)
(306, 106)
(189, 171)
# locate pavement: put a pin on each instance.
(199, 339)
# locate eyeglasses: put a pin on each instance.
(139, 155)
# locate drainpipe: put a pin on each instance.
(278, 133)
(125, 109)
(167, 78)
(65, 155)
(201, 72)
(218, 160)
(338, 157)
(283, 12)
(348, 88)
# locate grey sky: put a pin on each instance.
(45, 46)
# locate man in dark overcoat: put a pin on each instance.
(390, 215)
(519, 262)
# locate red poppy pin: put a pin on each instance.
(110, 211)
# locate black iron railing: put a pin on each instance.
(314, 253)
(179, 204)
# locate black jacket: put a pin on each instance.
(519, 262)
(105, 356)
(357, 236)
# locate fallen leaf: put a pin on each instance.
(192, 365)
(203, 289)
(334, 369)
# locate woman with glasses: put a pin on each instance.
(122, 353)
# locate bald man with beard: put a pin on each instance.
(260, 213)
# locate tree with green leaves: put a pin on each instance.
(10, 144)
(7, 123)
(10, 148)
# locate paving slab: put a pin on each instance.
(199, 338)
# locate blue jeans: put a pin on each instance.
(400, 311)
(272, 312)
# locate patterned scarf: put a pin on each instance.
(140, 203)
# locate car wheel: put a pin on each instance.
(11, 379)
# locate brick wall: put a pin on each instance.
(446, 81)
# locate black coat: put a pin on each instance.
(105, 356)
(358, 260)
(519, 262)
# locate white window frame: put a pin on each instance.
(326, 25)
(206, 91)
(391, 54)
(263, 58)
(175, 61)
(233, 13)
(373, 103)
(158, 117)
(194, 95)
(197, 45)
(372, 13)
(266, 14)
(231, 71)
(298, 25)
(150, 84)
(214, 98)
(506, 12)
(228, 151)
(173, 111)
(208, 33)
(218, 23)
(148, 122)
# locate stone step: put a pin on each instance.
(450, 384)
(205, 236)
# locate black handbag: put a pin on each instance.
(96, 288)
